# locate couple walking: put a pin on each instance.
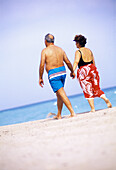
(53, 58)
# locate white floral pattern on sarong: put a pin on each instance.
(88, 77)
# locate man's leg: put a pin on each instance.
(59, 106)
(61, 93)
(91, 103)
(103, 96)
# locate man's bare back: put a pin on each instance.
(53, 57)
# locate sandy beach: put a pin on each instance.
(85, 142)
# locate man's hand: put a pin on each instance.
(72, 75)
(41, 83)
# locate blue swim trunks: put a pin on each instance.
(57, 77)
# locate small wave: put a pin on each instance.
(55, 103)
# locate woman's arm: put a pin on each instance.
(76, 61)
(93, 59)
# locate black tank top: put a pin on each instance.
(82, 63)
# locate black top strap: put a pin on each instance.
(82, 63)
(80, 52)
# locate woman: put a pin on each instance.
(87, 73)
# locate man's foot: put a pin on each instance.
(57, 117)
(108, 103)
(51, 114)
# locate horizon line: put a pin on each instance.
(45, 101)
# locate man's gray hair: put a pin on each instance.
(49, 38)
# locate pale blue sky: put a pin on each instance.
(23, 25)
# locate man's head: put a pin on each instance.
(49, 38)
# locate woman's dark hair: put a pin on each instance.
(81, 40)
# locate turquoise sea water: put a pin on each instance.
(40, 110)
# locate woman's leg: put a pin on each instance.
(91, 103)
(103, 96)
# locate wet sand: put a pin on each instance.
(85, 142)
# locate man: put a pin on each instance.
(53, 58)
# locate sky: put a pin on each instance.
(23, 25)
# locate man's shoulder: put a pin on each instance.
(49, 49)
(44, 50)
(59, 47)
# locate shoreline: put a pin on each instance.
(53, 99)
(87, 141)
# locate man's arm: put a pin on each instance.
(41, 68)
(69, 65)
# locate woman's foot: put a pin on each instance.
(108, 103)
(92, 110)
(72, 115)
(106, 100)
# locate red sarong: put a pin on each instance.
(88, 77)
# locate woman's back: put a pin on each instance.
(87, 55)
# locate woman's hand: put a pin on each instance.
(72, 75)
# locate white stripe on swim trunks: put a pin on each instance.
(54, 74)
(57, 75)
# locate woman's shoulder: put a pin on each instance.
(86, 50)
(78, 52)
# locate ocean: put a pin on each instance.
(40, 110)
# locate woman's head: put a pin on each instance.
(81, 40)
